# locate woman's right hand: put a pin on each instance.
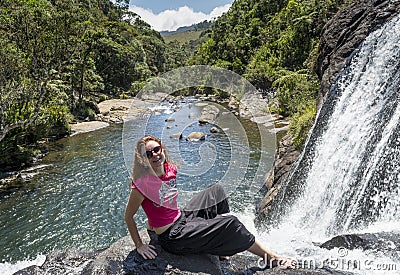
(147, 251)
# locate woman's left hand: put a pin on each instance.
(147, 251)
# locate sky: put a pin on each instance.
(167, 15)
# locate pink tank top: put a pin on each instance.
(160, 195)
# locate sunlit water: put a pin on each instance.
(78, 196)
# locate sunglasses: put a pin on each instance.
(149, 153)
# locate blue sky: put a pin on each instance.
(170, 15)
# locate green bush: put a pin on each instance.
(294, 90)
(300, 125)
(296, 98)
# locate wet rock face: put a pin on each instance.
(387, 243)
(345, 32)
(286, 155)
(61, 262)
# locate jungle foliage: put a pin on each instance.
(57, 55)
(274, 44)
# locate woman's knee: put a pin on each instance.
(218, 189)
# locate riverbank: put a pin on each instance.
(111, 111)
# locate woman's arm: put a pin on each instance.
(135, 200)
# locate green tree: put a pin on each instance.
(32, 33)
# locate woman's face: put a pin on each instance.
(155, 154)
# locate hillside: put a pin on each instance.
(194, 27)
(183, 37)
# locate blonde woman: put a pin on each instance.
(202, 226)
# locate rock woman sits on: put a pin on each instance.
(202, 226)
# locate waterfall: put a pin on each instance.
(348, 176)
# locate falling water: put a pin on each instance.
(349, 174)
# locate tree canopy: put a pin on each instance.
(274, 45)
(55, 55)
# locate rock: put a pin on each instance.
(286, 155)
(322, 271)
(252, 105)
(122, 258)
(196, 136)
(61, 262)
(243, 264)
(214, 129)
(87, 126)
(177, 135)
(233, 103)
(345, 32)
(387, 243)
(119, 108)
(208, 114)
(153, 97)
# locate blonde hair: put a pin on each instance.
(141, 164)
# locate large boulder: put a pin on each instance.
(196, 136)
(122, 258)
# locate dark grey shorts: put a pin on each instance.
(204, 227)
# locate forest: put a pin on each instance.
(58, 57)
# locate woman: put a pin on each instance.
(201, 227)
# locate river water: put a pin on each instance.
(77, 196)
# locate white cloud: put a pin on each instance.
(218, 11)
(170, 20)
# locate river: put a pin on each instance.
(77, 196)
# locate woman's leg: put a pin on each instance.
(258, 249)
(222, 236)
(208, 203)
